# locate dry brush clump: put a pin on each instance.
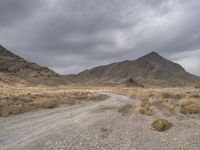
(146, 109)
(195, 96)
(172, 110)
(168, 95)
(161, 124)
(189, 106)
(51, 104)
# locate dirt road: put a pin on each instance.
(95, 126)
(40, 130)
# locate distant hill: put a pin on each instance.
(150, 70)
(16, 69)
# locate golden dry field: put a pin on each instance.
(19, 99)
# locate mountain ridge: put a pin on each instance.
(149, 69)
(18, 68)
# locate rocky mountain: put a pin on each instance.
(151, 69)
(16, 69)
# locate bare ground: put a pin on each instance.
(96, 126)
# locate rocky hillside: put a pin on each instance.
(151, 69)
(17, 69)
(148, 70)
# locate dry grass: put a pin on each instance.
(168, 95)
(51, 104)
(189, 106)
(126, 109)
(165, 99)
(146, 109)
(197, 87)
(12, 105)
(161, 125)
(19, 99)
(158, 93)
(195, 96)
(172, 110)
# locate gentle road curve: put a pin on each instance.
(84, 126)
(96, 126)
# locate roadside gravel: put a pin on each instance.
(96, 126)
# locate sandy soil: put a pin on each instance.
(95, 126)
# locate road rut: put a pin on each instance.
(19, 132)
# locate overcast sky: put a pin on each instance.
(69, 36)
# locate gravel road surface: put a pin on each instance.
(95, 126)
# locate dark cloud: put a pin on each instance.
(13, 11)
(72, 35)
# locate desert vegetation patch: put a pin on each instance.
(161, 124)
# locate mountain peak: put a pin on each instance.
(153, 54)
(151, 69)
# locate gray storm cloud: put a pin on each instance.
(72, 35)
